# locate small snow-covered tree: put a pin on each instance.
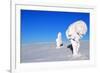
(59, 40)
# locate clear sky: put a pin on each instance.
(43, 26)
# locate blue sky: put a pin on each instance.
(43, 26)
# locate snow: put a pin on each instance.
(47, 52)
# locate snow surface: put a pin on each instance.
(47, 52)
